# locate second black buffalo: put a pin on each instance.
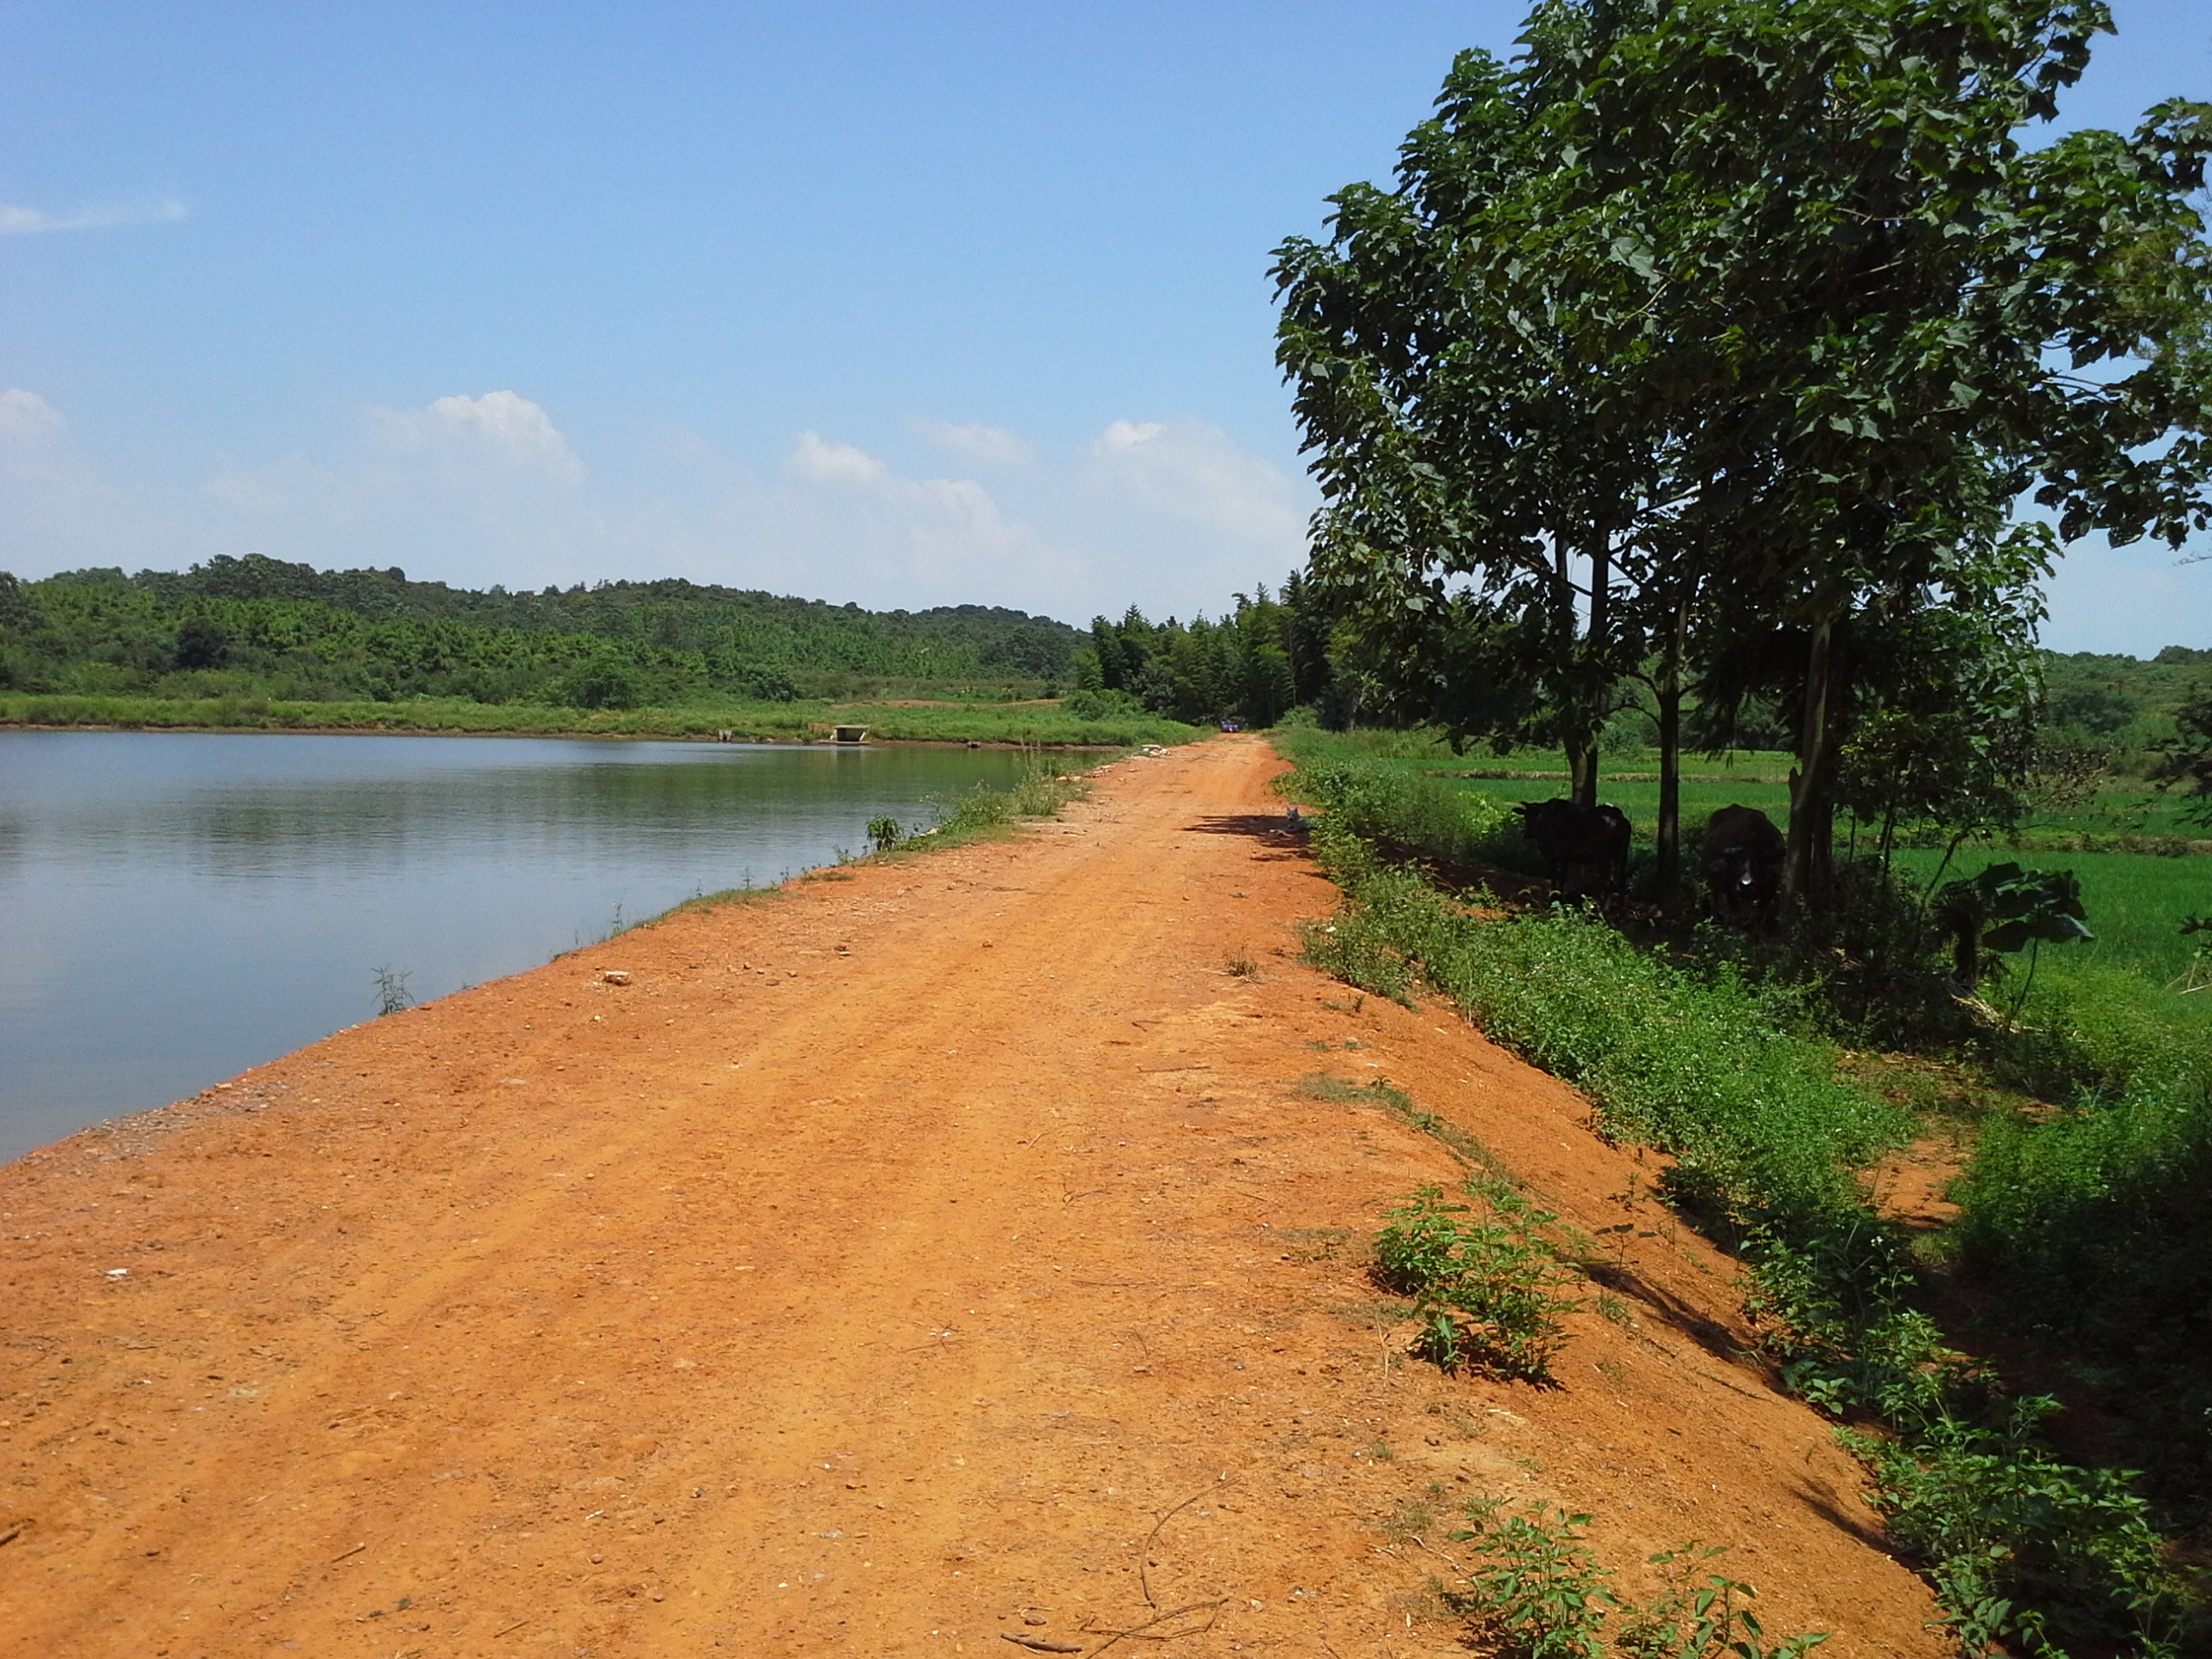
(1744, 853)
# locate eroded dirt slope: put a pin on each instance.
(869, 1275)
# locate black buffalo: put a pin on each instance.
(1585, 849)
(1744, 853)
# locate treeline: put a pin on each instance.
(2120, 709)
(1264, 659)
(261, 627)
(2081, 713)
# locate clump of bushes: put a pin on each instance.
(1488, 1292)
(1759, 1121)
(1417, 814)
(602, 682)
(1038, 791)
(2087, 1228)
(1541, 1592)
(1089, 705)
(2022, 1547)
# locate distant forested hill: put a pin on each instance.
(258, 625)
(2124, 704)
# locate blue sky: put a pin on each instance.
(907, 305)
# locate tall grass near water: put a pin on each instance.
(1041, 791)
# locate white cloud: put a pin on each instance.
(1122, 436)
(820, 461)
(929, 538)
(954, 500)
(501, 429)
(34, 221)
(1194, 471)
(52, 502)
(980, 446)
(24, 414)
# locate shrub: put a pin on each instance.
(1830, 1301)
(1490, 1293)
(1038, 791)
(201, 644)
(1703, 1068)
(1702, 1613)
(758, 682)
(1096, 705)
(2023, 1548)
(1541, 1594)
(1418, 813)
(1540, 1587)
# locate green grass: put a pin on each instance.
(2125, 806)
(1758, 1120)
(1758, 780)
(1771, 1135)
(722, 899)
(1032, 723)
(984, 812)
(1371, 793)
(769, 721)
(2135, 902)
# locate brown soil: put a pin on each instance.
(1912, 1184)
(870, 1275)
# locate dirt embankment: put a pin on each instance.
(869, 1275)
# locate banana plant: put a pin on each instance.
(2005, 909)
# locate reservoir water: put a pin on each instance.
(179, 907)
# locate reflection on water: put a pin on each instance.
(182, 906)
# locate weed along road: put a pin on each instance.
(964, 1246)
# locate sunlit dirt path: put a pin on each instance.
(869, 1275)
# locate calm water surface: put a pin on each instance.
(179, 907)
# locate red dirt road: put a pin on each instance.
(868, 1276)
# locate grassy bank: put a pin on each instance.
(1042, 723)
(983, 813)
(1772, 1140)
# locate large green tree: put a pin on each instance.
(1480, 479)
(1759, 317)
(1895, 317)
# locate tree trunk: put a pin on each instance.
(1581, 769)
(1669, 693)
(1592, 715)
(1811, 783)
